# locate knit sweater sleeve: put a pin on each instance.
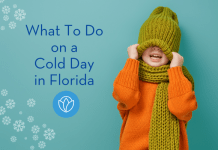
(182, 100)
(126, 86)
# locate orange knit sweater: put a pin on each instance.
(135, 101)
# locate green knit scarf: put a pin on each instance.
(164, 126)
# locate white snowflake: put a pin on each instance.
(2, 110)
(31, 102)
(35, 137)
(35, 129)
(13, 139)
(14, 6)
(6, 9)
(20, 112)
(5, 18)
(41, 144)
(12, 25)
(4, 92)
(49, 134)
(19, 125)
(44, 125)
(19, 14)
(1, 1)
(10, 103)
(32, 147)
(30, 119)
(2, 27)
(6, 120)
(25, 138)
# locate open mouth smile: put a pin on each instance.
(155, 58)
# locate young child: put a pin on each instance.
(155, 92)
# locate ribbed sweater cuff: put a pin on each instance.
(132, 65)
(128, 76)
(179, 83)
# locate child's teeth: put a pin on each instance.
(155, 57)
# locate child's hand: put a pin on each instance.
(132, 51)
(177, 60)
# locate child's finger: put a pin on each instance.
(136, 45)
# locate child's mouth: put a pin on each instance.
(155, 58)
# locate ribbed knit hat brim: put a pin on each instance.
(160, 29)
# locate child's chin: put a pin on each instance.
(154, 64)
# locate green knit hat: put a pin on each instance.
(160, 29)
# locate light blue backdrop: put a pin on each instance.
(96, 126)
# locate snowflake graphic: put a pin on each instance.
(41, 144)
(19, 125)
(12, 25)
(10, 103)
(2, 27)
(6, 9)
(49, 134)
(31, 102)
(20, 112)
(44, 125)
(4, 92)
(6, 120)
(14, 6)
(30, 119)
(25, 138)
(2, 110)
(35, 129)
(35, 137)
(13, 139)
(19, 14)
(32, 147)
(5, 18)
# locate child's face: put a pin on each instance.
(154, 61)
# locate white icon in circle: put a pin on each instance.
(66, 102)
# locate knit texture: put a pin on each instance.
(164, 126)
(136, 100)
(161, 29)
(171, 106)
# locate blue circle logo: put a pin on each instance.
(66, 104)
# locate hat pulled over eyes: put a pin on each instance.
(160, 29)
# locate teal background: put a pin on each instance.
(96, 126)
